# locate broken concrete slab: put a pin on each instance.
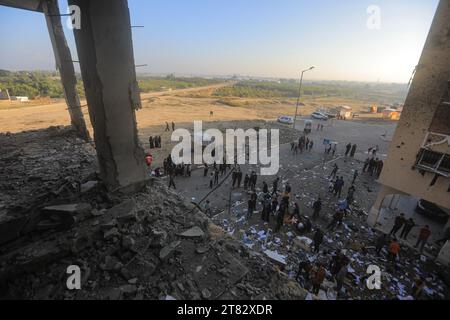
(123, 212)
(194, 232)
(167, 251)
(88, 186)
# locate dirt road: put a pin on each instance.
(38, 117)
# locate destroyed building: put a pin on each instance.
(419, 158)
(69, 201)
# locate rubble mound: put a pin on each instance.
(149, 245)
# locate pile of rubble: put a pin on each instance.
(354, 238)
(150, 245)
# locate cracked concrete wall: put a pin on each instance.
(429, 86)
(105, 51)
(64, 64)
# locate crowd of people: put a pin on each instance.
(275, 205)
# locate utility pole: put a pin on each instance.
(300, 94)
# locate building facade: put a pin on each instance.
(418, 163)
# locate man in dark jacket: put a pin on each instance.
(409, 224)
(318, 239)
(317, 206)
(398, 223)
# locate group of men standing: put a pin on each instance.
(304, 143)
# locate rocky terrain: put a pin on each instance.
(150, 245)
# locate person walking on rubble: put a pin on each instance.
(275, 186)
(382, 240)
(394, 249)
(265, 187)
(417, 288)
(318, 275)
(304, 269)
(424, 235)
(398, 223)
(208, 208)
(338, 185)
(334, 172)
(337, 220)
(167, 126)
(171, 178)
(340, 278)
(318, 239)
(317, 206)
(251, 207)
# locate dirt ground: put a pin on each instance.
(185, 105)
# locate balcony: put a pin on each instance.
(435, 162)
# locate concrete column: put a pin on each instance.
(65, 66)
(105, 52)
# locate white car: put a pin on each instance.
(286, 120)
(319, 116)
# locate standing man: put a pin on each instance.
(338, 185)
(265, 187)
(275, 186)
(216, 177)
(171, 178)
(239, 177)
(173, 126)
(424, 234)
(246, 181)
(318, 277)
(380, 243)
(317, 206)
(353, 151)
(394, 249)
(347, 149)
(167, 126)
(398, 223)
(234, 178)
(318, 239)
(334, 172)
(355, 175)
(409, 224)
(205, 170)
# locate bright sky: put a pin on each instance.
(273, 38)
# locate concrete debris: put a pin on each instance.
(194, 232)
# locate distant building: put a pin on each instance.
(391, 114)
(345, 112)
(19, 98)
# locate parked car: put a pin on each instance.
(286, 120)
(319, 116)
(432, 211)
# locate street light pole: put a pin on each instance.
(300, 94)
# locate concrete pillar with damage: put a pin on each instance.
(64, 64)
(105, 52)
